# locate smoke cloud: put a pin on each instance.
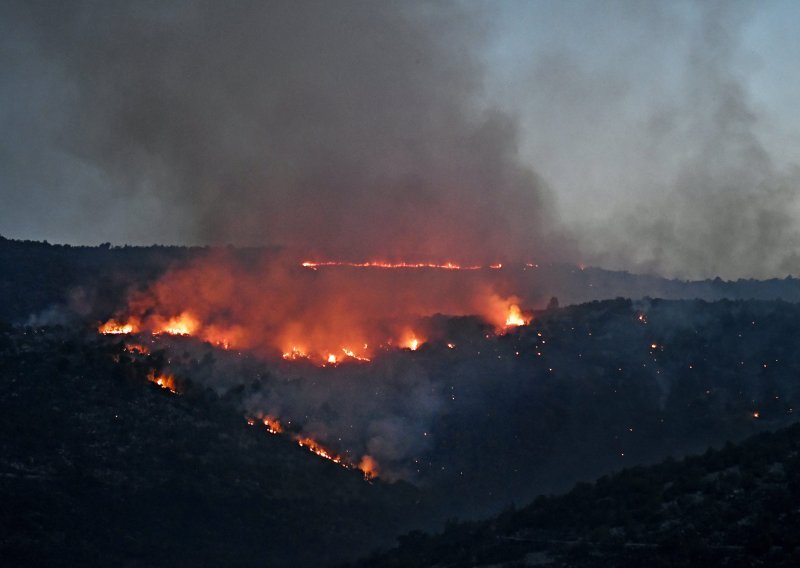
(727, 204)
(351, 128)
(652, 123)
(641, 134)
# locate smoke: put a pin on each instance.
(341, 129)
(728, 206)
(657, 145)
(271, 306)
(404, 130)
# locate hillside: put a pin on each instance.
(37, 278)
(737, 506)
(499, 419)
(98, 466)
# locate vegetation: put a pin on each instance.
(100, 467)
(737, 506)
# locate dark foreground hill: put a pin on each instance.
(99, 467)
(737, 506)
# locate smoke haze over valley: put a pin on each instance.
(648, 137)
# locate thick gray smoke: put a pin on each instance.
(341, 128)
(363, 129)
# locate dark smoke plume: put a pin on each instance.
(337, 128)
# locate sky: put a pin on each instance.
(648, 136)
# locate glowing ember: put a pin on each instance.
(113, 327)
(514, 316)
(756, 414)
(137, 349)
(451, 345)
(164, 381)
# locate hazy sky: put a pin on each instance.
(656, 136)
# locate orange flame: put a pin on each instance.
(183, 324)
(272, 424)
(410, 340)
(137, 349)
(164, 381)
(514, 316)
(276, 308)
(315, 447)
(369, 466)
(113, 327)
(382, 264)
(295, 353)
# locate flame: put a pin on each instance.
(315, 447)
(350, 353)
(274, 308)
(183, 324)
(383, 264)
(295, 353)
(113, 327)
(410, 340)
(164, 381)
(272, 424)
(514, 316)
(137, 349)
(369, 467)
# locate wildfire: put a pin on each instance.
(272, 424)
(324, 319)
(314, 447)
(113, 327)
(164, 381)
(183, 324)
(381, 264)
(369, 466)
(410, 340)
(295, 353)
(514, 317)
(352, 354)
(137, 349)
